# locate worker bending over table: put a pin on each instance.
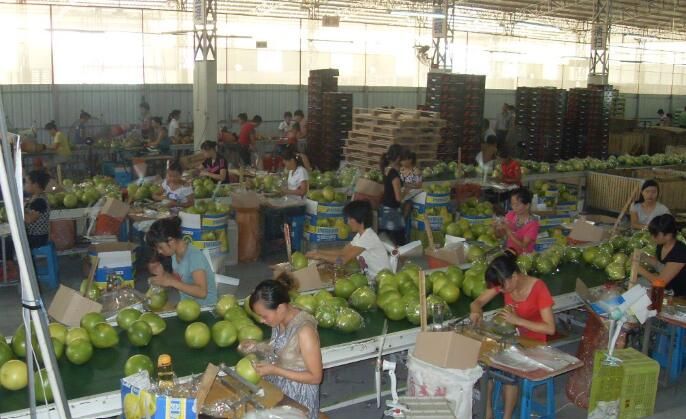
(175, 192)
(365, 247)
(192, 274)
(528, 307)
(294, 339)
(670, 256)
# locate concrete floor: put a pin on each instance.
(340, 384)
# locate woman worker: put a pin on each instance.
(646, 207)
(528, 307)
(669, 252)
(391, 218)
(60, 143)
(295, 340)
(192, 274)
(520, 227)
(365, 247)
(174, 189)
(214, 166)
(298, 179)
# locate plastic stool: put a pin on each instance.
(527, 406)
(674, 338)
(50, 273)
(297, 223)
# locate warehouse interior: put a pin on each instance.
(586, 99)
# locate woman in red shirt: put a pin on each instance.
(510, 168)
(520, 226)
(528, 307)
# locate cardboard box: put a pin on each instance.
(68, 306)
(68, 214)
(164, 407)
(586, 231)
(368, 187)
(324, 209)
(431, 199)
(113, 259)
(306, 279)
(115, 208)
(453, 254)
(447, 350)
(478, 219)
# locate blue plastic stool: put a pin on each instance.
(673, 337)
(297, 231)
(50, 273)
(527, 406)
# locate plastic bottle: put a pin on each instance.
(657, 294)
(165, 373)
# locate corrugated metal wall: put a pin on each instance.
(27, 105)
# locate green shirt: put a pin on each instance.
(62, 143)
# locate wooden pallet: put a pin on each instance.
(360, 159)
(408, 140)
(367, 144)
(394, 130)
(378, 152)
(397, 118)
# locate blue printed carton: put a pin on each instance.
(137, 401)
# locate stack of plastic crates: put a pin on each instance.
(633, 383)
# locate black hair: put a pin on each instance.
(299, 113)
(287, 114)
(242, 117)
(393, 153)
(84, 115)
(504, 151)
(163, 128)
(360, 211)
(647, 184)
(491, 139)
(291, 154)
(665, 224)
(409, 155)
(162, 230)
(175, 166)
(144, 105)
(208, 145)
(660, 111)
(272, 292)
(39, 177)
(157, 119)
(175, 114)
(523, 194)
(501, 269)
(257, 119)
(486, 124)
(51, 125)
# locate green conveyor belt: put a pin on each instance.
(103, 372)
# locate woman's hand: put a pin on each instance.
(160, 280)
(204, 173)
(247, 346)
(265, 368)
(509, 316)
(475, 317)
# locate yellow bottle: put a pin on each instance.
(165, 372)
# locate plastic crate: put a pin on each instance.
(633, 382)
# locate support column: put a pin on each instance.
(599, 68)
(204, 71)
(443, 35)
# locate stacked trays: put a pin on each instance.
(337, 120)
(540, 112)
(587, 122)
(618, 105)
(319, 82)
(459, 99)
(374, 130)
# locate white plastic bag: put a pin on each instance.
(282, 412)
(426, 380)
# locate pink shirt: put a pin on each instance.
(528, 230)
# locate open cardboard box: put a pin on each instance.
(447, 350)
(306, 279)
(590, 228)
(68, 305)
(452, 253)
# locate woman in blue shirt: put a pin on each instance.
(192, 274)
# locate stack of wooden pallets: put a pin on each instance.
(374, 130)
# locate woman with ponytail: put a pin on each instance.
(298, 179)
(528, 307)
(391, 218)
(295, 340)
(192, 274)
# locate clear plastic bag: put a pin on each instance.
(281, 412)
